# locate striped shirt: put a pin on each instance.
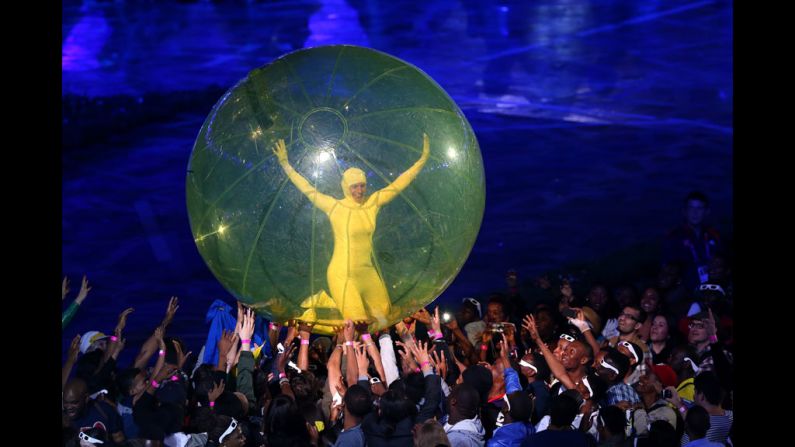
(719, 427)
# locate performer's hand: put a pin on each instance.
(280, 150)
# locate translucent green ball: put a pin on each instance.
(275, 247)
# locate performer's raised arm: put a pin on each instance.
(323, 202)
(389, 192)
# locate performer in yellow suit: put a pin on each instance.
(354, 284)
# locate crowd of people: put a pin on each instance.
(634, 364)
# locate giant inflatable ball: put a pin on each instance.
(335, 183)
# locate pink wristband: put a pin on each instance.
(304, 342)
(161, 353)
(282, 375)
(272, 326)
(484, 348)
(431, 333)
(248, 340)
(417, 370)
(212, 403)
(348, 343)
(425, 363)
(114, 338)
(366, 336)
(155, 384)
(174, 378)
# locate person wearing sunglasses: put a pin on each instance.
(226, 433)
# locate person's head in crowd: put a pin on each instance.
(546, 323)
(563, 408)
(226, 432)
(519, 408)
(626, 295)
(430, 434)
(577, 356)
(613, 365)
(463, 402)
(662, 434)
(697, 423)
(597, 297)
(470, 311)
(229, 404)
(596, 386)
(670, 276)
(660, 329)
(480, 378)
(695, 209)
(131, 382)
(87, 365)
(630, 320)
(75, 398)
(495, 309)
(564, 340)
(697, 335)
(93, 340)
(713, 296)
(534, 367)
(633, 351)
(93, 436)
(665, 374)
(684, 361)
(284, 424)
(611, 423)
(650, 301)
(719, 270)
(708, 390)
(394, 407)
(358, 402)
(306, 387)
(649, 384)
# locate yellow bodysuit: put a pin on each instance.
(356, 288)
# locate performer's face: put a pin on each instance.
(358, 190)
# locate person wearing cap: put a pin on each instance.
(654, 406)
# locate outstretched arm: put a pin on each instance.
(322, 201)
(389, 192)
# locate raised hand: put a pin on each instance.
(436, 323)
(348, 331)
(84, 289)
(64, 287)
(362, 361)
(284, 358)
(440, 362)
(122, 321)
(247, 325)
(181, 358)
(426, 145)
(529, 323)
(361, 327)
(216, 391)
(420, 351)
(280, 150)
(173, 305)
(74, 348)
